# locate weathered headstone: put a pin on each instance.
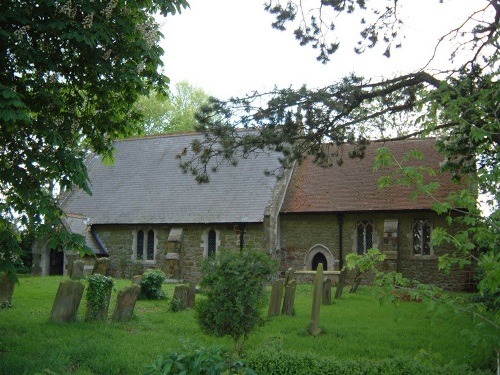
(318, 287)
(276, 296)
(341, 283)
(289, 300)
(357, 281)
(136, 280)
(68, 297)
(95, 312)
(191, 296)
(6, 290)
(125, 303)
(290, 275)
(100, 266)
(181, 293)
(327, 291)
(77, 270)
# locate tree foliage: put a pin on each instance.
(234, 287)
(174, 113)
(71, 72)
(458, 104)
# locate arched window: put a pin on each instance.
(211, 243)
(151, 245)
(145, 246)
(422, 237)
(364, 236)
(317, 259)
(140, 245)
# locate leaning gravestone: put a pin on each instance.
(327, 291)
(290, 275)
(100, 266)
(341, 283)
(289, 300)
(67, 301)
(77, 270)
(276, 296)
(318, 287)
(125, 303)
(6, 290)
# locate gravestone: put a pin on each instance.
(136, 280)
(125, 303)
(318, 288)
(357, 281)
(341, 283)
(191, 296)
(100, 266)
(181, 294)
(276, 296)
(77, 270)
(327, 291)
(99, 312)
(68, 297)
(6, 290)
(290, 275)
(289, 300)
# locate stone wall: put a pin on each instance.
(119, 241)
(300, 233)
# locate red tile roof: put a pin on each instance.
(353, 186)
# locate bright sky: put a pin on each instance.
(228, 48)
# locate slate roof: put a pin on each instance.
(146, 186)
(353, 186)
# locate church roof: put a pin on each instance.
(353, 186)
(145, 185)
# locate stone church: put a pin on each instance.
(145, 213)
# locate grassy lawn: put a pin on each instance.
(356, 327)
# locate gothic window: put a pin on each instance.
(145, 247)
(140, 245)
(211, 243)
(151, 245)
(364, 236)
(421, 237)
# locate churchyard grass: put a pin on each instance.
(356, 327)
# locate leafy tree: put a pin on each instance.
(459, 104)
(173, 113)
(234, 287)
(71, 72)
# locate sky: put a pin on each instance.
(228, 47)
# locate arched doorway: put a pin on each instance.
(317, 259)
(319, 254)
(56, 265)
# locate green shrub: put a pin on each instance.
(175, 305)
(234, 285)
(197, 360)
(151, 285)
(286, 363)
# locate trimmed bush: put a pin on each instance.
(234, 285)
(286, 363)
(151, 285)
